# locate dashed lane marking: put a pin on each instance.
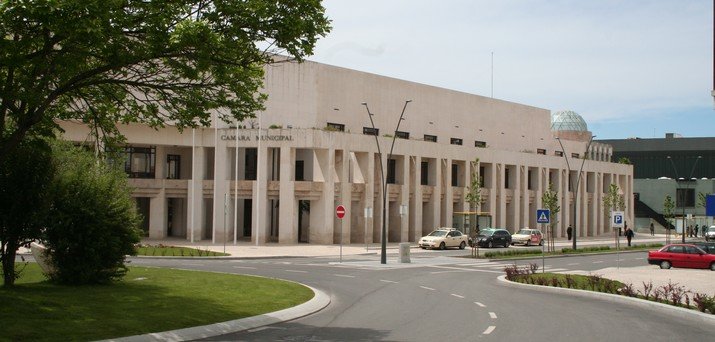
(489, 330)
(344, 275)
(427, 288)
(480, 304)
(598, 262)
(296, 271)
(388, 281)
(458, 296)
(245, 267)
(464, 269)
(573, 264)
(493, 315)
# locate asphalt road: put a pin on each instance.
(447, 299)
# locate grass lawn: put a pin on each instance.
(176, 251)
(147, 300)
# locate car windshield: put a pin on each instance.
(438, 233)
(711, 229)
(524, 232)
(487, 232)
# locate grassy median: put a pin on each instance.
(147, 300)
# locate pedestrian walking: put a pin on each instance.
(569, 230)
(629, 235)
(652, 229)
(696, 230)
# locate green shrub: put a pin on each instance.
(93, 222)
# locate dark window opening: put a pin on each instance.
(455, 141)
(540, 151)
(478, 143)
(685, 198)
(424, 173)
(574, 155)
(251, 163)
(506, 179)
(432, 138)
(370, 131)
(528, 181)
(391, 164)
(402, 135)
(559, 153)
(481, 176)
(336, 127)
(299, 170)
(455, 175)
(173, 162)
(140, 161)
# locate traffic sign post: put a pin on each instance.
(617, 221)
(340, 213)
(543, 216)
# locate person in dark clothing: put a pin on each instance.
(652, 229)
(629, 235)
(569, 230)
(696, 230)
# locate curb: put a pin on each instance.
(229, 257)
(569, 255)
(674, 311)
(319, 301)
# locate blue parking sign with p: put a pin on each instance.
(543, 216)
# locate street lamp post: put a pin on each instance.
(383, 239)
(677, 180)
(578, 180)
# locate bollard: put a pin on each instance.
(405, 252)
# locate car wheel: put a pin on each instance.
(442, 246)
(462, 245)
(712, 266)
(423, 247)
(665, 264)
(490, 245)
(506, 244)
(528, 243)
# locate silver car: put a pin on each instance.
(710, 234)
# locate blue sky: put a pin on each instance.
(631, 68)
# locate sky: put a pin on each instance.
(632, 68)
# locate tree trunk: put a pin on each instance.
(8, 263)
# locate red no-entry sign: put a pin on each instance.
(340, 211)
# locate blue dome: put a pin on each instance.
(567, 121)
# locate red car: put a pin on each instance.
(682, 255)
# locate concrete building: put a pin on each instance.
(279, 177)
(676, 166)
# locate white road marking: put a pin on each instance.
(465, 269)
(388, 281)
(480, 304)
(458, 296)
(246, 267)
(598, 262)
(639, 259)
(193, 264)
(427, 288)
(296, 271)
(574, 264)
(344, 275)
(489, 330)
(555, 269)
(493, 315)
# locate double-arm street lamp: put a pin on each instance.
(677, 181)
(383, 239)
(578, 180)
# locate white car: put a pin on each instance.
(442, 238)
(527, 237)
(710, 234)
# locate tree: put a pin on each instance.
(93, 221)
(550, 200)
(150, 62)
(613, 199)
(702, 199)
(25, 178)
(668, 213)
(474, 191)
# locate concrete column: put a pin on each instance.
(448, 193)
(437, 194)
(501, 216)
(416, 205)
(160, 163)
(405, 199)
(221, 175)
(518, 192)
(261, 224)
(157, 216)
(598, 195)
(322, 219)
(288, 208)
(561, 226)
(493, 191)
(345, 194)
(196, 208)
(367, 164)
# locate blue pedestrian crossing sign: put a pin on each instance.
(543, 216)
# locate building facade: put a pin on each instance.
(279, 177)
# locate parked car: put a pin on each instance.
(682, 255)
(527, 237)
(710, 234)
(490, 237)
(442, 238)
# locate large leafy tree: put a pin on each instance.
(154, 62)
